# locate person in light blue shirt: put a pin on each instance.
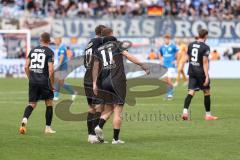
(62, 70)
(62, 57)
(168, 52)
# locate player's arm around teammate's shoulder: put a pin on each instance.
(136, 61)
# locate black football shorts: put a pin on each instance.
(196, 83)
(39, 92)
(113, 91)
(92, 99)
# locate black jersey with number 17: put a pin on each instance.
(39, 58)
(196, 51)
(89, 57)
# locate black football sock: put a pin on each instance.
(90, 117)
(101, 123)
(207, 103)
(49, 115)
(187, 101)
(116, 134)
(96, 119)
(28, 111)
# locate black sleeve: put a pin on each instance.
(97, 55)
(189, 48)
(108, 39)
(29, 54)
(207, 51)
(50, 56)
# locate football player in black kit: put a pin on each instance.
(40, 72)
(95, 107)
(199, 79)
(112, 80)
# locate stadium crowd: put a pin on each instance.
(222, 9)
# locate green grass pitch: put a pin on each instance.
(146, 138)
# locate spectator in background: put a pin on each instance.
(214, 56)
(6, 9)
(39, 10)
(22, 53)
(237, 10)
(83, 8)
(211, 9)
(70, 53)
(228, 54)
(49, 9)
(72, 11)
(152, 55)
(228, 15)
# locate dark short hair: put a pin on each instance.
(202, 33)
(106, 32)
(45, 37)
(98, 29)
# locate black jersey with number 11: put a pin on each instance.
(112, 77)
(196, 51)
(112, 60)
(39, 58)
(91, 52)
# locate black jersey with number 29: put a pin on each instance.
(39, 58)
(196, 52)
